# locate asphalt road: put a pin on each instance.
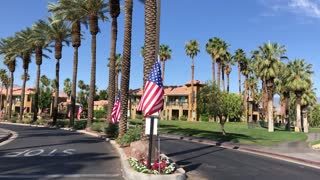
(44, 153)
(211, 162)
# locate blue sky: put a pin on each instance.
(242, 24)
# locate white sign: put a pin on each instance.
(148, 126)
(42, 152)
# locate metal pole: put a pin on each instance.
(150, 142)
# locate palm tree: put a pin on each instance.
(164, 54)
(24, 44)
(269, 58)
(246, 70)
(58, 32)
(3, 74)
(125, 67)
(228, 62)
(298, 82)
(6, 83)
(67, 88)
(114, 13)
(192, 49)
(309, 98)
(40, 41)
(70, 11)
(213, 50)
(8, 48)
(239, 57)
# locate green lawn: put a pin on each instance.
(315, 142)
(314, 130)
(236, 132)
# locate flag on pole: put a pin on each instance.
(79, 112)
(115, 115)
(151, 100)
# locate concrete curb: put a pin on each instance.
(130, 174)
(314, 164)
(6, 136)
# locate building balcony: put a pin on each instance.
(177, 105)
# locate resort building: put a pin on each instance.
(177, 102)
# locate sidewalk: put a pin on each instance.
(4, 135)
(298, 152)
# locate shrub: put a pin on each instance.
(183, 118)
(100, 114)
(139, 116)
(14, 119)
(112, 130)
(131, 136)
(62, 123)
(99, 127)
(204, 118)
(80, 124)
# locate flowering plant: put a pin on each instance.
(158, 167)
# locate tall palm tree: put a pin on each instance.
(67, 87)
(40, 41)
(309, 98)
(239, 57)
(6, 83)
(192, 49)
(118, 71)
(24, 44)
(59, 33)
(8, 48)
(3, 74)
(125, 67)
(212, 48)
(269, 56)
(164, 54)
(298, 82)
(114, 13)
(228, 62)
(69, 10)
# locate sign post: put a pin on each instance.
(151, 129)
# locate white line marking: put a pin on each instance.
(50, 176)
(13, 137)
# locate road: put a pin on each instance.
(44, 153)
(211, 162)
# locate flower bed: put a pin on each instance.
(162, 167)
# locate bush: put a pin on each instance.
(62, 123)
(98, 114)
(99, 127)
(131, 136)
(204, 118)
(80, 124)
(14, 119)
(183, 118)
(112, 130)
(139, 116)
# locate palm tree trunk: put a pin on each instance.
(228, 82)
(112, 71)
(74, 85)
(56, 96)
(150, 44)
(36, 95)
(239, 77)
(305, 120)
(125, 76)
(213, 70)
(270, 114)
(298, 110)
(7, 99)
(1, 98)
(264, 99)
(93, 80)
(23, 93)
(10, 97)
(192, 91)
(163, 68)
(218, 74)
(223, 87)
(286, 112)
(245, 97)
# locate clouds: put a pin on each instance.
(306, 8)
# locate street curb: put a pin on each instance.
(130, 174)
(7, 136)
(313, 164)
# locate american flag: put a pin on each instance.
(79, 112)
(151, 100)
(115, 115)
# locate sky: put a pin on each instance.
(244, 24)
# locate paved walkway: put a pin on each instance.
(292, 151)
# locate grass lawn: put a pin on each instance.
(314, 130)
(315, 142)
(236, 132)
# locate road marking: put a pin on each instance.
(13, 137)
(53, 176)
(42, 152)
